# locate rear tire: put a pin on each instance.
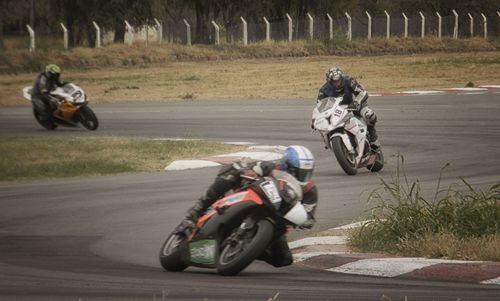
(340, 151)
(378, 164)
(229, 264)
(88, 118)
(46, 123)
(170, 253)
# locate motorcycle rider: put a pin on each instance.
(41, 99)
(340, 84)
(298, 161)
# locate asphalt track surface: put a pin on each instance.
(98, 238)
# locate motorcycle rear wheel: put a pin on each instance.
(46, 123)
(170, 253)
(340, 151)
(88, 118)
(234, 259)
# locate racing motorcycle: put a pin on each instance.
(346, 135)
(238, 228)
(72, 108)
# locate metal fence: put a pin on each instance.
(321, 27)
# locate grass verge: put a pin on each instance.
(34, 158)
(118, 73)
(461, 222)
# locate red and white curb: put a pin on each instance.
(330, 253)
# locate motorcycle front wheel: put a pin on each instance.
(234, 256)
(346, 161)
(170, 253)
(88, 118)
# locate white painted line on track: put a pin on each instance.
(422, 92)
(466, 89)
(319, 240)
(304, 256)
(190, 164)
(388, 267)
(265, 156)
(492, 281)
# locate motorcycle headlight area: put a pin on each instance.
(77, 96)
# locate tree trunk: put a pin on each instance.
(2, 46)
(202, 8)
(119, 33)
(70, 9)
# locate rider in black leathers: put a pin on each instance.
(41, 99)
(339, 84)
(298, 161)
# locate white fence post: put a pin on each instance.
(188, 32)
(32, 38)
(349, 26)
(311, 26)
(369, 25)
(422, 35)
(130, 33)
(245, 31)
(268, 30)
(330, 25)
(216, 32)
(471, 20)
(498, 13)
(290, 27)
(485, 26)
(159, 31)
(406, 25)
(440, 24)
(388, 29)
(455, 28)
(65, 33)
(97, 35)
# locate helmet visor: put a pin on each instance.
(303, 175)
(337, 83)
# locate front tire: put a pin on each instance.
(48, 124)
(88, 118)
(233, 259)
(342, 155)
(171, 253)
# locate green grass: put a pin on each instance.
(32, 158)
(460, 222)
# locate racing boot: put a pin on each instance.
(374, 144)
(194, 212)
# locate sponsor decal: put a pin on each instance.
(203, 251)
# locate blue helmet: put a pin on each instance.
(299, 162)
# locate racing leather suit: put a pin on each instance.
(354, 95)
(229, 178)
(43, 103)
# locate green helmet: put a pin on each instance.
(52, 71)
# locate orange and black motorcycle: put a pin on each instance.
(72, 109)
(238, 228)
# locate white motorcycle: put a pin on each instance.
(72, 108)
(346, 135)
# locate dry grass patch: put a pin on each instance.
(28, 158)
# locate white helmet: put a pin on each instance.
(335, 76)
(299, 162)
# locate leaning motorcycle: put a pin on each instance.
(72, 108)
(238, 228)
(346, 135)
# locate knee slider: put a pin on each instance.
(369, 116)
